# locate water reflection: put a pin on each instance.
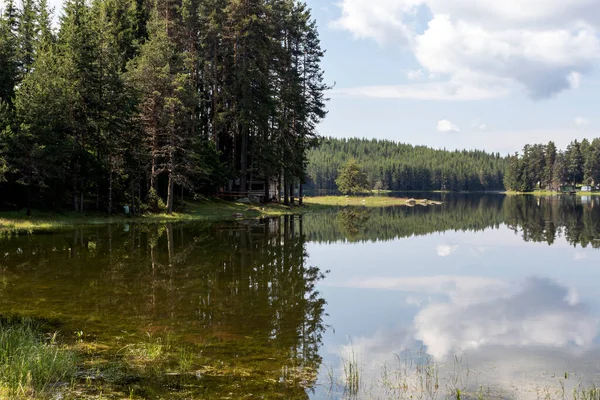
(538, 312)
(467, 296)
(507, 285)
(242, 296)
(537, 219)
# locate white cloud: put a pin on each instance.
(446, 126)
(477, 124)
(541, 48)
(444, 250)
(581, 121)
(574, 79)
(444, 91)
(415, 75)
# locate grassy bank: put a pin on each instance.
(368, 201)
(15, 222)
(18, 222)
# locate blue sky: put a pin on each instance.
(484, 74)
(462, 73)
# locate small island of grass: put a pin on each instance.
(365, 201)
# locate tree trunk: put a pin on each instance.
(300, 195)
(98, 194)
(170, 195)
(110, 187)
(75, 202)
(291, 193)
(286, 199)
(267, 191)
(28, 201)
(244, 162)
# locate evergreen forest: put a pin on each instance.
(545, 167)
(143, 102)
(397, 166)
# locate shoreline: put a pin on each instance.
(16, 222)
(549, 193)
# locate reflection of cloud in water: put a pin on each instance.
(444, 250)
(541, 312)
(517, 340)
(461, 289)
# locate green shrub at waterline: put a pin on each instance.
(29, 363)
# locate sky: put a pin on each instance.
(484, 74)
(456, 74)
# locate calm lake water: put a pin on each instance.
(498, 297)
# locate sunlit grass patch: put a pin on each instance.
(31, 364)
(366, 201)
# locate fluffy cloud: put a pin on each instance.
(446, 126)
(415, 75)
(581, 121)
(488, 44)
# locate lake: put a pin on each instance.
(484, 296)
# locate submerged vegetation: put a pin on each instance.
(175, 311)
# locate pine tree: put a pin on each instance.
(549, 165)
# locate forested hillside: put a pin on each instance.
(543, 166)
(135, 102)
(398, 166)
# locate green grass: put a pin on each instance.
(30, 364)
(368, 201)
(17, 222)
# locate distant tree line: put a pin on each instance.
(543, 166)
(133, 101)
(397, 166)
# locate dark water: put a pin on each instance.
(495, 296)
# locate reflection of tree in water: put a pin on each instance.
(356, 224)
(537, 219)
(351, 220)
(263, 289)
(240, 293)
(545, 218)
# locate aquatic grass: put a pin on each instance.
(149, 351)
(352, 374)
(30, 364)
